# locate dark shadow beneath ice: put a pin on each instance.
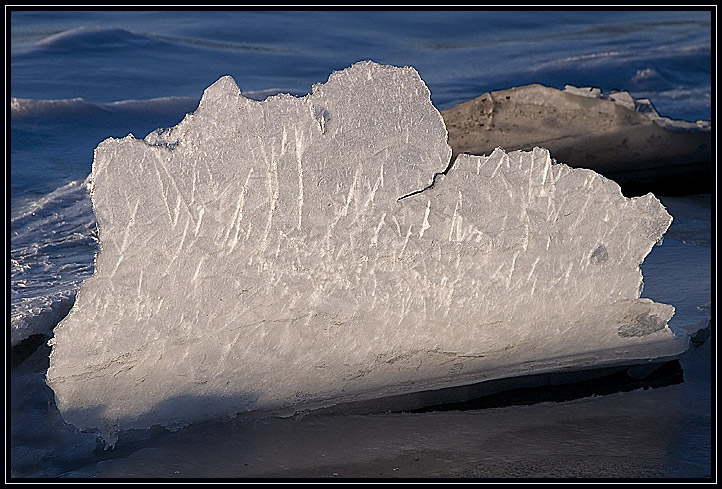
(560, 386)
(665, 374)
(508, 392)
(25, 348)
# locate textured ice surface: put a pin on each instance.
(260, 257)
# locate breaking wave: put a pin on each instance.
(53, 244)
(26, 108)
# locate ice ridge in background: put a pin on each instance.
(641, 105)
(295, 253)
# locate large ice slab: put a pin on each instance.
(295, 253)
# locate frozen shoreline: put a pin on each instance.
(587, 437)
(561, 440)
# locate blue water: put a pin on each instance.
(77, 78)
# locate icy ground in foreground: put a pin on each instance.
(293, 253)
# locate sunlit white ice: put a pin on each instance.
(295, 253)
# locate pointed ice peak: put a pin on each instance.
(223, 91)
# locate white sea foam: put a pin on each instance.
(293, 253)
(27, 108)
(87, 36)
(21, 108)
(53, 242)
